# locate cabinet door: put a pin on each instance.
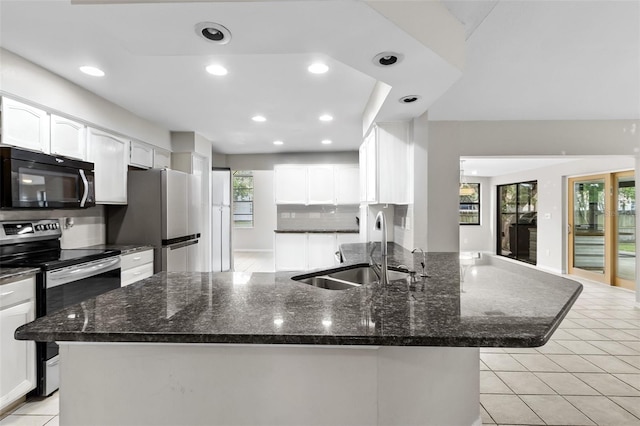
(362, 157)
(290, 184)
(321, 250)
(161, 159)
(347, 184)
(140, 155)
(291, 252)
(320, 185)
(68, 138)
(372, 168)
(25, 126)
(109, 155)
(18, 360)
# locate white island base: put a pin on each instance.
(206, 384)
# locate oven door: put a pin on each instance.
(33, 184)
(66, 287)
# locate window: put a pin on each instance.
(469, 204)
(517, 221)
(243, 199)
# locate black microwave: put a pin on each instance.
(32, 180)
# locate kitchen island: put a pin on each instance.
(261, 348)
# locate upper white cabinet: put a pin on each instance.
(109, 155)
(388, 167)
(347, 184)
(316, 184)
(25, 126)
(290, 184)
(320, 185)
(140, 155)
(161, 159)
(68, 138)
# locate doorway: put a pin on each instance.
(602, 232)
(517, 221)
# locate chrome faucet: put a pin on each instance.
(381, 270)
(423, 263)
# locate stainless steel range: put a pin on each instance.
(66, 277)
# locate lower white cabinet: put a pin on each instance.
(17, 357)
(303, 251)
(136, 266)
(291, 252)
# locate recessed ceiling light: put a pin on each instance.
(278, 142)
(217, 70)
(325, 117)
(326, 142)
(408, 99)
(259, 118)
(318, 68)
(213, 32)
(92, 71)
(386, 59)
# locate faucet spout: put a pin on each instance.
(381, 223)
(423, 263)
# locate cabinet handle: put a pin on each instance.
(137, 273)
(6, 293)
(137, 258)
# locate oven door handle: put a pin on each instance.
(82, 271)
(85, 193)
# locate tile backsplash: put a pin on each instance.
(321, 217)
(87, 225)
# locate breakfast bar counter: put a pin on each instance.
(263, 348)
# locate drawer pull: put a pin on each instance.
(137, 258)
(6, 293)
(137, 273)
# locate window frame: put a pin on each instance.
(237, 224)
(466, 203)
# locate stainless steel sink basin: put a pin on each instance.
(343, 279)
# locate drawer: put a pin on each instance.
(138, 258)
(138, 273)
(17, 291)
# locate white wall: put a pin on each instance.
(26, 81)
(261, 236)
(481, 237)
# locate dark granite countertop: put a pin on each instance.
(316, 231)
(500, 304)
(12, 274)
(124, 248)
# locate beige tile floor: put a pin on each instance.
(587, 374)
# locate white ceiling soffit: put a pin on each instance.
(498, 166)
(548, 60)
(154, 63)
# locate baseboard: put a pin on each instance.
(253, 250)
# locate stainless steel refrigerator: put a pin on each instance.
(221, 258)
(160, 212)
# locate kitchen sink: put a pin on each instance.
(343, 279)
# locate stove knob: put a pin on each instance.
(37, 227)
(49, 226)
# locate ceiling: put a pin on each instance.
(525, 60)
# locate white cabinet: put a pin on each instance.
(388, 166)
(25, 126)
(109, 155)
(316, 184)
(161, 159)
(68, 138)
(140, 155)
(290, 184)
(321, 250)
(291, 252)
(303, 251)
(347, 184)
(17, 357)
(136, 266)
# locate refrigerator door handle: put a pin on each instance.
(185, 244)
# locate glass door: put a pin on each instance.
(625, 229)
(602, 237)
(517, 221)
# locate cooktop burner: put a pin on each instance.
(58, 259)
